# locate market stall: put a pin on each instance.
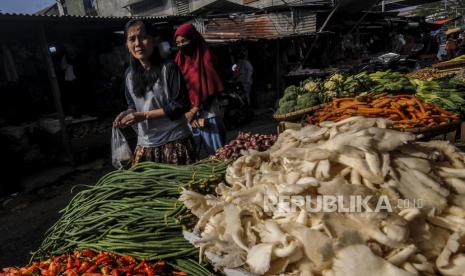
(353, 185)
(144, 219)
(415, 101)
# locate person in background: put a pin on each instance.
(157, 101)
(451, 47)
(461, 44)
(243, 69)
(408, 46)
(198, 66)
(441, 38)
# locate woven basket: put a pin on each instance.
(449, 64)
(296, 115)
(430, 132)
(282, 126)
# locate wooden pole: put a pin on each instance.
(55, 92)
(278, 73)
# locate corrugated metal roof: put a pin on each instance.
(23, 16)
(399, 4)
(262, 26)
(182, 6)
(276, 4)
(24, 24)
(223, 7)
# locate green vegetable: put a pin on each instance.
(287, 107)
(337, 78)
(306, 100)
(387, 81)
(311, 86)
(133, 212)
(445, 93)
(291, 91)
(330, 85)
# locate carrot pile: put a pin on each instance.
(91, 263)
(405, 110)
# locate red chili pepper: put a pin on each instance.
(53, 269)
(105, 271)
(84, 266)
(92, 269)
(128, 259)
(69, 265)
(114, 272)
(138, 267)
(77, 263)
(148, 269)
(71, 272)
(88, 253)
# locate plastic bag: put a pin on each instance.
(121, 154)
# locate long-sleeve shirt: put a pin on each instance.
(246, 71)
(168, 93)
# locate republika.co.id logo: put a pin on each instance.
(333, 203)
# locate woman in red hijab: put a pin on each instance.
(203, 82)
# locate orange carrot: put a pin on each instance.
(370, 110)
(382, 103)
(422, 107)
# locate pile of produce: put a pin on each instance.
(459, 58)
(460, 75)
(312, 92)
(429, 74)
(356, 84)
(455, 62)
(91, 263)
(296, 98)
(448, 94)
(406, 111)
(392, 82)
(244, 141)
(266, 217)
(133, 212)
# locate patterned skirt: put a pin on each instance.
(180, 152)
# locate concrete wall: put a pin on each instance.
(112, 8)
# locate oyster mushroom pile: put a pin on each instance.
(357, 157)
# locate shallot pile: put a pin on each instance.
(244, 141)
(354, 157)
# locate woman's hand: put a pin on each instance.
(117, 122)
(133, 118)
(191, 114)
(195, 124)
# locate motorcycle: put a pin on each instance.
(233, 103)
(393, 61)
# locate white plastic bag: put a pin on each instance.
(121, 154)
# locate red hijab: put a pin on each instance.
(199, 70)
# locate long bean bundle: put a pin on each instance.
(132, 212)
